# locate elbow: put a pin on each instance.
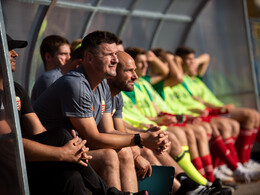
(165, 73)
(179, 79)
(207, 57)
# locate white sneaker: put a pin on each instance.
(241, 175)
(224, 169)
(252, 165)
(244, 174)
(226, 179)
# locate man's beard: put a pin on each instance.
(124, 87)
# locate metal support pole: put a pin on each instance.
(12, 108)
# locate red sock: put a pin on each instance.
(208, 167)
(252, 140)
(221, 150)
(242, 144)
(229, 142)
(215, 158)
(199, 166)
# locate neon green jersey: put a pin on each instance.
(155, 97)
(142, 99)
(133, 116)
(173, 107)
(199, 89)
(181, 96)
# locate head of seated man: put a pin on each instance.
(55, 52)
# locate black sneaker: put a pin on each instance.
(215, 189)
(144, 192)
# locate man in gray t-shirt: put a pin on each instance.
(81, 100)
(72, 96)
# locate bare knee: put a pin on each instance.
(110, 159)
(146, 152)
(179, 134)
(173, 139)
(235, 128)
(249, 120)
(207, 128)
(126, 155)
(224, 127)
(201, 134)
(190, 135)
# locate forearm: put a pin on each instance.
(203, 62)
(117, 132)
(155, 119)
(160, 67)
(35, 151)
(107, 140)
(136, 151)
(175, 71)
(208, 105)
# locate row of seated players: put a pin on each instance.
(174, 87)
(186, 134)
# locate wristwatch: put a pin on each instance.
(138, 140)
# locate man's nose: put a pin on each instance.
(134, 77)
(115, 59)
(68, 57)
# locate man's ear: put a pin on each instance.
(76, 63)
(88, 56)
(47, 57)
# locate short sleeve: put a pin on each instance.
(118, 106)
(76, 99)
(26, 106)
(108, 104)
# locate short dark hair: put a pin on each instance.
(160, 53)
(92, 41)
(134, 51)
(119, 42)
(76, 54)
(183, 51)
(51, 44)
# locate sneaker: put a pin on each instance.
(200, 190)
(224, 169)
(223, 177)
(253, 165)
(241, 174)
(244, 174)
(219, 189)
(144, 192)
(215, 189)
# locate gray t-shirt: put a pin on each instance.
(43, 82)
(117, 106)
(72, 96)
